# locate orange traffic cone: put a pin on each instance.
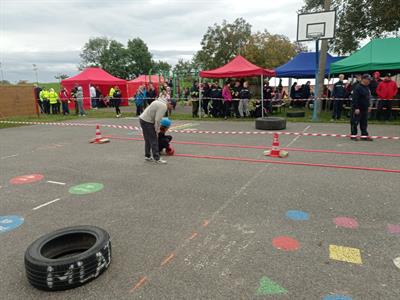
(99, 139)
(275, 149)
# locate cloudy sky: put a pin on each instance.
(51, 33)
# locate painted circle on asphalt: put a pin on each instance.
(297, 215)
(346, 222)
(396, 262)
(26, 179)
(8, 223)
(337, 297)
(86, 188)
(285, 243)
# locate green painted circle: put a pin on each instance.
(86, 188)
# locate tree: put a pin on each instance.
(23, 81)
(139, 58)
(184, 67)
(359, 20)
(4, 82)
(271, 50)
(161, 67)
(115, 60)
(223, 42)
(94, 53)
(60, 77)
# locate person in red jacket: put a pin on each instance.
(386, 91)
(64, 97)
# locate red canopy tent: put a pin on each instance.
(97, 77)
(134, 84)
(239, 67)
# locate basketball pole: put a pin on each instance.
(315, 110)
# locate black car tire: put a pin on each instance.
(68, 257)
(270, 123)
(296, 114)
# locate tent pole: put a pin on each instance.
(200, 96)
(262, 96)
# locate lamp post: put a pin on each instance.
(2, 73)
(35, 70)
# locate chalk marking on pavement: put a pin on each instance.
(56, 182)
(297, 137)
(139, 284)
(205, 223)
(9, 156)
(47, 203)
(194, 234)
(167, 259)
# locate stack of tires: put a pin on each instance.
(68, 258)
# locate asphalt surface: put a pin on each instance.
(201, 228)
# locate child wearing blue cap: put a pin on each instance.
(163, 139)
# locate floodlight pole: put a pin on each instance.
(315, 109)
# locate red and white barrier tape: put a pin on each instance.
(285, 133)
(188, 131)
(72, 124)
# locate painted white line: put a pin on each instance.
(9, 156)
(56, 182)
(47, 203)
(297, 137)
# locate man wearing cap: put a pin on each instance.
(373, 86)
(386, 91)
(150, 123)
(360, 107)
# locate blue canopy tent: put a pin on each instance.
(303, 65)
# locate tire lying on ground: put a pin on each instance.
(68, 258)
(296, 114)
(270, 123)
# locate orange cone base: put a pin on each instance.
(101, 141)
(280, 154)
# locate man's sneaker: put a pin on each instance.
(148, 158)
(354, 138)
(160, 161)
(369, 139)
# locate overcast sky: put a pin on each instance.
(51, 33)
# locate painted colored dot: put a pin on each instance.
(337, 297)
(8, 223)
(297, 215)
(393, 228)
(86, 188)
(24, 179)
(346, 222)
(285, 243)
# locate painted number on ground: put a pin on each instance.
(86, 188)
(26, 179)
(8, 223)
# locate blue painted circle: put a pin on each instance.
(8, 223)
(337, 297)
(297, 215)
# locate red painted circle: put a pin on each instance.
(285, 243)
(26, 179)
(346, 222)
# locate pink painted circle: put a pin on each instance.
(346, 222)
(285, 243)
(26, 179)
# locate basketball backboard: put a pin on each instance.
(318, 25)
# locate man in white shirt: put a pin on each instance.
(93, 99)
(150, 123)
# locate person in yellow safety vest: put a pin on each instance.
(44, 97)
(111, 96)
(53, 98)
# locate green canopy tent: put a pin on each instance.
(377, 55)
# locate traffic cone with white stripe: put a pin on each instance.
(275, 149)
(99, 139)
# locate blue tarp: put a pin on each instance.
(303, 66)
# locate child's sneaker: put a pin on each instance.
(148, 158)
(160, 161)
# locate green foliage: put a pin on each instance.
(185, 67)
(123, 62)
(223, 42)
(161, 67)
(60, 77)
(359, 20)
(271, 50)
